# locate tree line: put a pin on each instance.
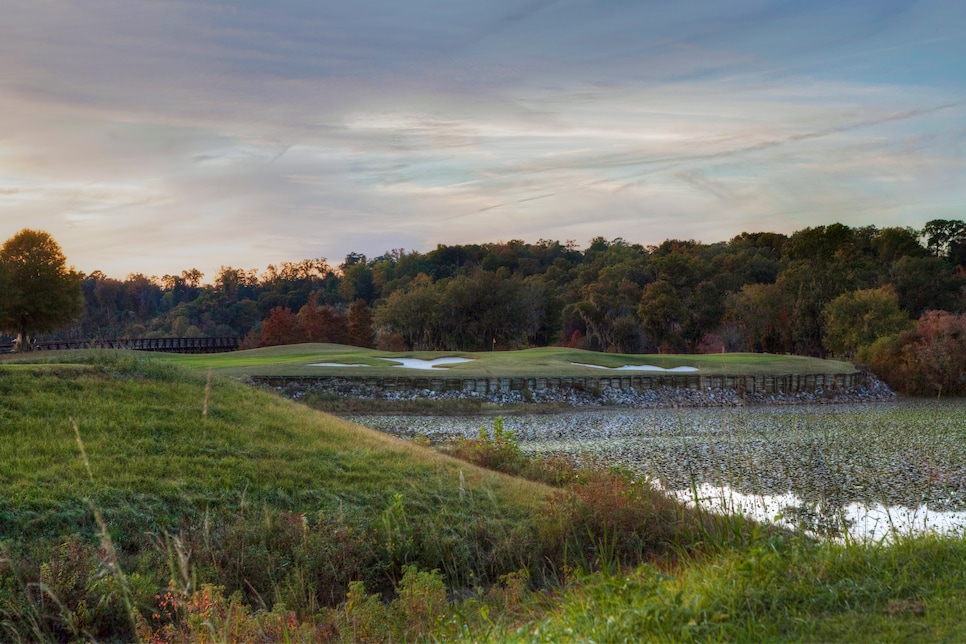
(824, 290)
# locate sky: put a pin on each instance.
(154, 136)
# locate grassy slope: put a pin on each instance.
(778, 591)
(155, 459)
(545, 361)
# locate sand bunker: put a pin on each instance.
(404, 363)
(643, 367)
(416, 363)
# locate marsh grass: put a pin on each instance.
(735, 582)
(790, 587)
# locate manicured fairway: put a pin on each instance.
(295, 360)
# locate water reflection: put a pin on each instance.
(863, 470)
(856, 521)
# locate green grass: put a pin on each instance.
(149, 446)
(271, 498)
(776, 590)
(288, 507)
(214, 482)
(293, 360)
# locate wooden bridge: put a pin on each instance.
(165, 345)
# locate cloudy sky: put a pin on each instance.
(158, 135)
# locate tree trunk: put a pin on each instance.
(22, 342)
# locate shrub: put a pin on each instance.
(420, 603)
(206, 615)
(498, 450)
(74, 594)
(415, 613)
(857, 318)
(617, 520)
(928, 360)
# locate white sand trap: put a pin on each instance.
(336, 364)
(416, 363)
(642, 367)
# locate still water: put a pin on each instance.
(869, 471)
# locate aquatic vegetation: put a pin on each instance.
(831, 458)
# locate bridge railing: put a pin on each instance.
(166, 345)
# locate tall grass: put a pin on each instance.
(140, 501)
(125, 474)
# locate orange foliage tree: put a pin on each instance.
(323, 323)
(928, 360)
(281, 327)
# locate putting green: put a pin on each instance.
(298, 360)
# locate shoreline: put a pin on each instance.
(331, 392)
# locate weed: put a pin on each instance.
(496, 450)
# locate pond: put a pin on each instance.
(872, 470)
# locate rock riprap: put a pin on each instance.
(873, 390)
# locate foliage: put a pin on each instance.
(40, 293)
(857, 319)
(74, 593)
(927, 284)
(756, 292)
(466, 311)
(497, 450)
(321, 323)
(616, 520)
(415, 613)
(281, 327)
(928, 360)
(360, 330)
(946, 238)
(661, 313)
(763, 313)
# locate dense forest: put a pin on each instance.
(822, 290)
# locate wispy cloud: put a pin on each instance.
(164, 135)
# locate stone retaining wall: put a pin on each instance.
(785, 384)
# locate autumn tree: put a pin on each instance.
(322, 323)
(281, 327)
(928, 360)
(858, 318)
(41, 293)
(360, 325)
